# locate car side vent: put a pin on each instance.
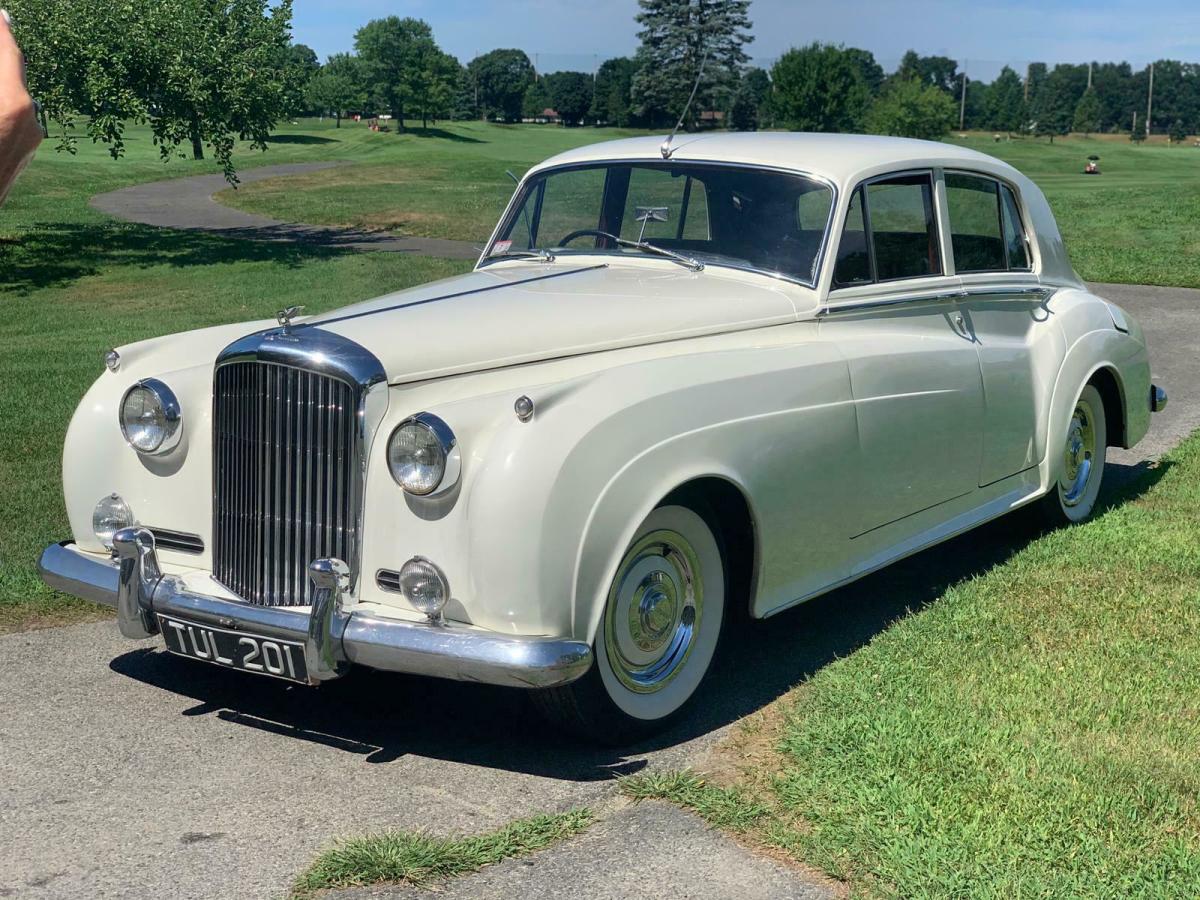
(388, 580)
(166, 539)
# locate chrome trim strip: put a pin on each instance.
(818, 262)
(453, 651)
(478, 290)
(181, 541)
(1025, 293)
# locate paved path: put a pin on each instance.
(187, 203)
(125, 772)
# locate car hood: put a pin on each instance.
(509, 313)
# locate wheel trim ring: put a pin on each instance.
(680, 559)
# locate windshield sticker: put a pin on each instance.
(500, 247)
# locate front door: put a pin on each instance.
(914, 371)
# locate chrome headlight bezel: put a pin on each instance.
(172, 416)
(449, 461)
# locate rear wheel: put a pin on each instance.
(660, 627)
(1083, 449)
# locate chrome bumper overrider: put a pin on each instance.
(1158, 398)
(332, 638)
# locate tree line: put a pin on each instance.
(207, 73)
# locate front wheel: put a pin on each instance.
(661, 624)
(1073, 497)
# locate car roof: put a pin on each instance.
(841, 158)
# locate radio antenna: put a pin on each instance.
(666, 149)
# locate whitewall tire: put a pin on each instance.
(657, 635)
(1083, 450)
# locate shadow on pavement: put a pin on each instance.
(381, 716)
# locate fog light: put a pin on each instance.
(110, 516)
(424, 586)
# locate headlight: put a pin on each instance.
(150, 417)
(423, 455)
(110, 516)
(424, 586)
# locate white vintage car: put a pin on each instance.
(682, 382)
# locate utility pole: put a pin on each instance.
(962, 103)
(1134, 129)
(1089, 87)
(1027, 81)
(1150, 100)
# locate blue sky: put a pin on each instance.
(576, 34)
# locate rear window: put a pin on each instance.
(985, 225)
(975, 232)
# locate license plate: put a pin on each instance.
(235, 649)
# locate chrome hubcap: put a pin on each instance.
(653, 611)
(1079, 454)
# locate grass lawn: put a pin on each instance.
(74, 283)
(449, 183)
(1137, 223)
(1033, 733)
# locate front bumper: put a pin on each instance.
(333, 639)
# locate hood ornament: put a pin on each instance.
(284, 317)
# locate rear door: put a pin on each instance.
(1003, 306)
(914, 372)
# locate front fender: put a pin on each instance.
(774, 422)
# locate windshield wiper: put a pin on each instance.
(536, 253)
(646, 247)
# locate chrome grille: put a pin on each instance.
(286, 478)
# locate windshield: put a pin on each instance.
(726, 215)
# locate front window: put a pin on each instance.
(890, 233)
(720, 215)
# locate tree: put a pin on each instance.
(339, 87)
(976, 112)
(199, 71)
(1178, 133)
(433, 83)
(394, 54)
(614, 86)
(571, 93)
(677, 36)
(300, 66)
(465, 106)
(819, 88)
(872, 71)
(1053, 105)
(537, 99)
(1087, 113)
(940, 72)
(1006, 102)
(910, 108)
(502, 77)
(749, 107)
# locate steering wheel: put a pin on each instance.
(582, 232)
